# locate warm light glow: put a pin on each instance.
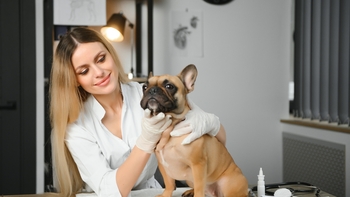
(112, 34)
(130, 75)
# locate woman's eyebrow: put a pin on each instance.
(98, 55)
(80, 66)
(95, 59)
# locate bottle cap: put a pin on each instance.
(283, 192)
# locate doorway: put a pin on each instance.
(17, 97)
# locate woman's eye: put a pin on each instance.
(102, 59)
(84, 71)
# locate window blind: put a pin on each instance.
(321, 60)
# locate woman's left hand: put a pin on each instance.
(198, 122)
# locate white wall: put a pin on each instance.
(40, 111)
(243, 75)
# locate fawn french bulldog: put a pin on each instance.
(205, 164)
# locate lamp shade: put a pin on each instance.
(114, 30)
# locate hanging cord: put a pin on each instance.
(132, 47)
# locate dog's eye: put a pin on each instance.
(144, 87)
(169, 86)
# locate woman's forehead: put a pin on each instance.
(90, 47)
(86, 52)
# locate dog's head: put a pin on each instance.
(168, 93)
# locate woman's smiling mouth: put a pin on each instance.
(104, 81)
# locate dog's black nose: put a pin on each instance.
(153, 90)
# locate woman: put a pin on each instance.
(102, 140)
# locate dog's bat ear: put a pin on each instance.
(189, 76)
(150, 74)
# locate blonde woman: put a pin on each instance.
(102, 140)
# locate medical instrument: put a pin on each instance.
(295, 188)
(282, 192)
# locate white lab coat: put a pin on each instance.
(98, 153)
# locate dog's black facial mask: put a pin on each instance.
(159, 97)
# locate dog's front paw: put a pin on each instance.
(188, 193)
(166, 194)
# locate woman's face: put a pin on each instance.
(95, 69)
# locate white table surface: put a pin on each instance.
(144, 193)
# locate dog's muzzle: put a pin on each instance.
(153, 105)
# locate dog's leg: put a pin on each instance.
(164, 138)
(199, 171)
(190, 192)
(168, 181)
(234, 182)
(166, 135)
(199, 167)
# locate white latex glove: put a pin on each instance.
(198, 122)
(152, 128)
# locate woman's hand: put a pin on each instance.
(198, 122)
(152, 128)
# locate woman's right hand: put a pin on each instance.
(152, 128)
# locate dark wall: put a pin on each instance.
(17, 97)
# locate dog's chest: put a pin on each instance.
(174, 158)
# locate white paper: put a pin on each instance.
(187, 33)
(80, 12)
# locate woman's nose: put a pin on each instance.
(98, 70)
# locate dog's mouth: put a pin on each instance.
(156, 106)
(153, 105)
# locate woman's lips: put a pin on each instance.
(104, 81)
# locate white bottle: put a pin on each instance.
(261, 184)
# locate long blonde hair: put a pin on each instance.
(66, 101)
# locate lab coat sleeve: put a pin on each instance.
(92, 165)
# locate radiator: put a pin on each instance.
(318, 162)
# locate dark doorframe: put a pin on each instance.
(138, 38)
(48, 55)
(17, 85)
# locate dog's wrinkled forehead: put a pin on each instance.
(164, 79)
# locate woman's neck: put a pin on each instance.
(111, 102)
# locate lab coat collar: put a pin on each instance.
(97, 107)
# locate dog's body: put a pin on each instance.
(204, 164)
